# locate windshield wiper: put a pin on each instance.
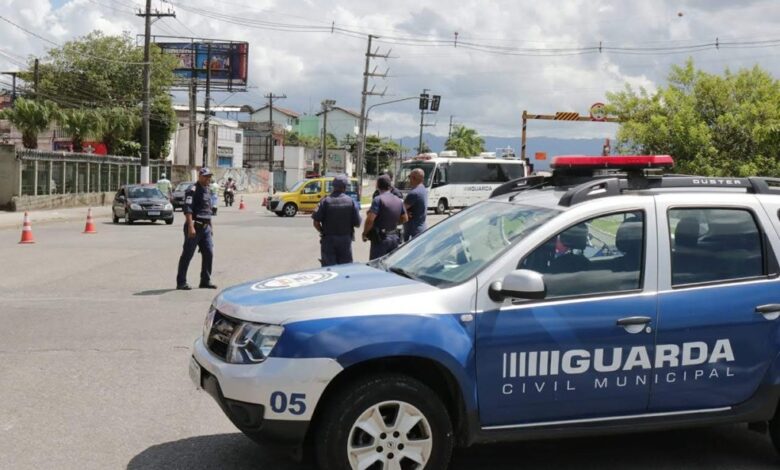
(403, 273)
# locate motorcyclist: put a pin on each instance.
(230, 189)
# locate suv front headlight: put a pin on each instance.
(168, 207)
(252, 343)
(135, 207)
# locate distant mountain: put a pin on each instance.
(552, 146)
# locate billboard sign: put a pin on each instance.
(228, 62)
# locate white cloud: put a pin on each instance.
(485, 91)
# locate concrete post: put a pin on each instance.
(35, 178)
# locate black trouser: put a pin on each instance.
(203, 240)
(335, 249)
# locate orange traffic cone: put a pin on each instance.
(241, 205)
(27, 235)
(90, 227)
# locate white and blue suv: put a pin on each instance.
(606, 298)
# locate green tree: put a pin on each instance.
(80, 124)
(161, 126)
(101, 71)
(31, 118)
(715, 125)
(465, 141)
(380, 153)
(117, 125)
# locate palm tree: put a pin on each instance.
(465, 141)
(80, 124)
(115, 125)
(31, 118)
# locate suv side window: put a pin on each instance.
(312, 188)
(711, 245)
(601, 255)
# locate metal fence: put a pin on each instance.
(45, 173)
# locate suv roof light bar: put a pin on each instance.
(617, 162)
(519, 184)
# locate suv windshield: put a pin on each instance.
(297, 186)
(183, 186)
(459, 247)
(146, 193)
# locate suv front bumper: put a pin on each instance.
(245, 391)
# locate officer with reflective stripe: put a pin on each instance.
(197, 231)
(335, 218)
(381, 227)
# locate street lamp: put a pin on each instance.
(362, 143)
(327, 105)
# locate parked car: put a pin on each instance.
(305, 195)
(177, 198)
(606, 298)
(141, 202)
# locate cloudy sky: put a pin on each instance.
(512, 55)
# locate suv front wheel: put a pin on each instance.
(386, 421)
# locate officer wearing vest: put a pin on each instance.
(197, 231)
(335, 218)
(381, 227)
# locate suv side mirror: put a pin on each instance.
(521, 284)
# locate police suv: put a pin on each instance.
(605, 298)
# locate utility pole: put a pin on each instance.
(193, 135)
(13, 85)
(365, 94)
(271, 97)
(327, 105)
(147, 14)
(206, 130)
(449, 132)
(36, 77)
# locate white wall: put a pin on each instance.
(340, 124)
(264, 115)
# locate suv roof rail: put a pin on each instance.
(593, 190)
(519, 184)
(616, 185)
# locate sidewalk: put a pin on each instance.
(10, 220)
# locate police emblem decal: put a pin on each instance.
(289, 281)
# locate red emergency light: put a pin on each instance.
(617, 162)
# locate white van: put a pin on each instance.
(460, 182)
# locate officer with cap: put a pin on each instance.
(381, 227)
(197, 231)
(336, 217)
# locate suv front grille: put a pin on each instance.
(222, 329)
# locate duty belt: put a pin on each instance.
(202, 221)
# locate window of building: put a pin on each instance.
(599, 256)
(238, 137)
(711, 245)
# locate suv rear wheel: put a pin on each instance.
(386, 421)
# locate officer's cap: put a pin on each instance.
(340, 182)
(205, 172)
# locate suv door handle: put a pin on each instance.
(631, 321)
(769, 311)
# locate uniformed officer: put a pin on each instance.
(393, 189)
(416, 204)
(336, 217)
(381, 227)
(164, 185)
(197, 231)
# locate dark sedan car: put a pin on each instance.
(177, 198)
(141, 202)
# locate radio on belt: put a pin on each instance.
(606, 296)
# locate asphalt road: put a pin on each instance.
(94, 347)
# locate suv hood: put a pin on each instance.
(346, 290)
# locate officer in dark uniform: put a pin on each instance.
(335, 218)
(393, 189)
(197, 231)
(381, 227)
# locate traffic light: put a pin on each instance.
(423, 101)
(435, 102)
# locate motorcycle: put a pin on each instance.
(229, 197)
